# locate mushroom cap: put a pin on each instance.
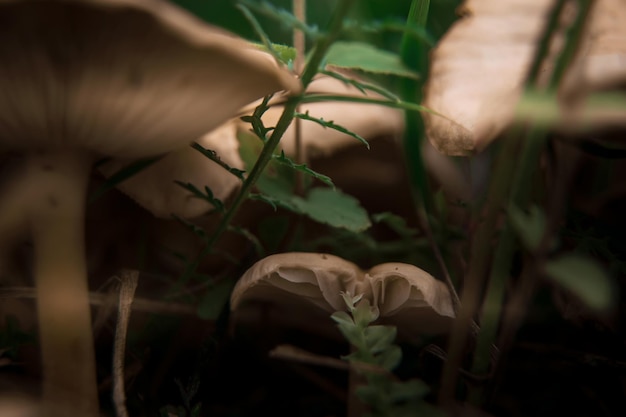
(402, 292)
(367, 120)
(478, 70)
(154, 187)
(124, 78)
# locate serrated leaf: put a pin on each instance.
(530, 227)
(396, 223)
(215, 299)
(417, 32)
(212, 155)
(284, 160)
(196, 230)
(365, 57)
(207, 195)
(583, 277)
(362, 86)
(282, 16)
(332, 207)
(331, 125)
(256, 243)
(379, 338)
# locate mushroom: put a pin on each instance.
(307, 288)
(312, 283)
(479, 68)
(86, 79)
(155, 189)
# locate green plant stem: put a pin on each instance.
(414, 54)
(311, 68)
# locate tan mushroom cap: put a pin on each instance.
(480, 65)
(478, 70)
(400, 291)
(599, 66)
(126, 78)
(154, 187)
(367, 120)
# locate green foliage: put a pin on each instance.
(530, 226)
(585, 278)
(375, 356)
(207, 195)
(365, 57)
(284, 160)
(331, 125)
(212, 155)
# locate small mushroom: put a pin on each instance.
(404, 294)
(92, 78)
(306, 288)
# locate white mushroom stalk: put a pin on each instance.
(91, 78)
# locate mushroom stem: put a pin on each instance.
(59, 181)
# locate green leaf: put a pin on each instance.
(379, 338)
(212, 155)
(342, 317)
(282, 16)
(364, 313)
(282, 159)
(365, 57)
(122, 175)
(256, 243)
(416, 31)
(285, 53)
(334, 208)
(215, 299)
(331, 125)
(530, 227)
(396, 223)
(362, 86)
(352, 333)
(583, 277)
(408, 390)
(207, 195)
(390, 358)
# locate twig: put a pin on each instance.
(127, 292)
(139, 304)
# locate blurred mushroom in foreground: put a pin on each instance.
(479, 68)
(86, 79)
